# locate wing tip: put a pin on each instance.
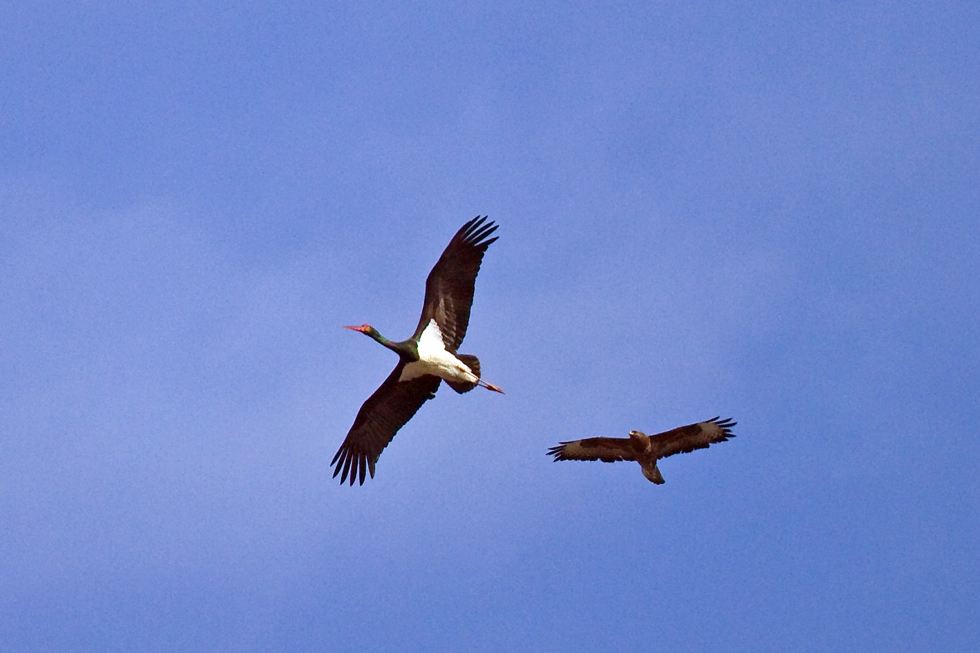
(724, 424)
(352, 466)
(475, 232)
(560, 451)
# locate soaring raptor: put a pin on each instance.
(647, 449)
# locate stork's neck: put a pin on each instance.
(407, 349)
(380, 338)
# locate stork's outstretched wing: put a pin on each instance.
(386, 411)
(449, 286)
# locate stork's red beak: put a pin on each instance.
(361, 329)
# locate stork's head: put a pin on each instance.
(366, 329)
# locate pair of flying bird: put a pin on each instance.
(429, 357)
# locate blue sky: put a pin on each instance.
(753, 210)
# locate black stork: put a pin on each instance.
(647, 449)
(426, 358)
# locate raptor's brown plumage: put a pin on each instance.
(647, 449)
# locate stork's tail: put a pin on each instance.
(473, 363)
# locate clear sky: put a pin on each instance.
(765, 211)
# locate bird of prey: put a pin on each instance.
(647, 449)
(424, 360)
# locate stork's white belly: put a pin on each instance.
(435, 360)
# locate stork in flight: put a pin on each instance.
(425, 359)
(647, 449)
